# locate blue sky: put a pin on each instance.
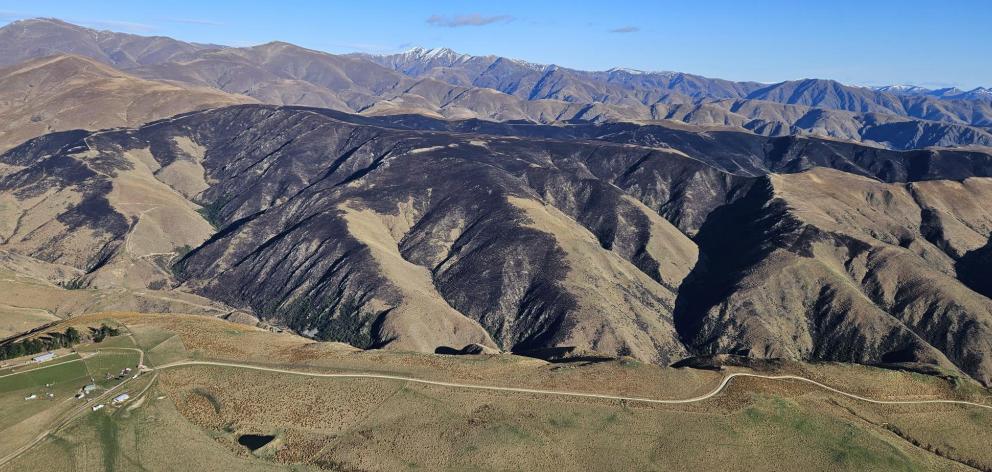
(866, 42)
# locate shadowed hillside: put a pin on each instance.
(369, 231)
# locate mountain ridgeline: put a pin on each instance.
(444, 84)
(410, 232)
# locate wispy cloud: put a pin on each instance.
(625, 29)
(473, 19)
(193, 21)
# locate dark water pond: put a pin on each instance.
(254, 441)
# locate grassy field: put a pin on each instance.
(149, 436)
(161, 346)
(62, 380)
(54, 386)
(56, 371)
(382, 425)
(378, 424)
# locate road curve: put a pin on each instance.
(719, 388)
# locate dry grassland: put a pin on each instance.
(378, 424)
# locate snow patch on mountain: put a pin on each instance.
(435, 54)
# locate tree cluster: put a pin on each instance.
(54, 340)
(103, 332)
(48, 342)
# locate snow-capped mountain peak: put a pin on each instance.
(436, 54)
(638, 72)
(902, 89)
(628, 71)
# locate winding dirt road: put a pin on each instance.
(564, 393)
(719, 388)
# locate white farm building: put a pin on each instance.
(44, 357)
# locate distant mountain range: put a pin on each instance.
(626, 87)
(979, 93)
(538, 81)
(445, 84)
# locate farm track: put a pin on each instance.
(561, 393)
(723, 384)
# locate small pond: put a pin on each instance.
(254, 441)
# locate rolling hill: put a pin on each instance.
(399, 233)
(65, 92)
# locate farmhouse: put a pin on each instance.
(121, 398)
